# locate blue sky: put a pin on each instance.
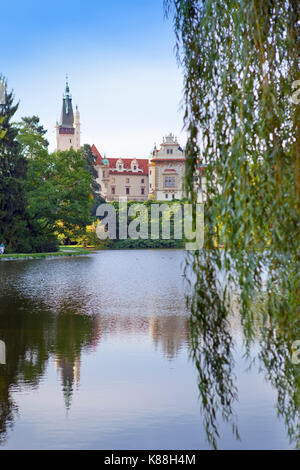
(121, 63)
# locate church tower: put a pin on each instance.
(68, 130)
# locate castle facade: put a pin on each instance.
(159, 177)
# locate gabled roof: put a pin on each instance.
(96, 152)
(142, 164)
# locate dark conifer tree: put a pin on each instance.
(90, 159)
(13, 226)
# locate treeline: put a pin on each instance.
(48, 199)
(149, 224)
(45, 198)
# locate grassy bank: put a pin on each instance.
(63, 251)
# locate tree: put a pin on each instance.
(13, 225)
(90, 160)
(59, 194)
(31, 136)
(240, 62)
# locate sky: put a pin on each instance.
(121, 63)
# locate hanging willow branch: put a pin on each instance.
(241, 61)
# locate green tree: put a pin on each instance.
(240, 61)
(13, 166)
(59, 194)
(31, 136)
(90, 160)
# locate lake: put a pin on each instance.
(95, 355)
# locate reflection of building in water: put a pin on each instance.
(70, 374)
(171, 332)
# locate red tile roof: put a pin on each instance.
(97, 154)
(142, 164)
(171, 160)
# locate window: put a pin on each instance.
(127, 180)
(142, 191)
(127, 190)
(143, 181)
(134, 167)
(169, 181)
(150, 172)
(173, 196)
(113, 190)
(166, 196)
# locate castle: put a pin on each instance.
(158, 177)
(68, 130)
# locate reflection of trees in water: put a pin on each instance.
(26, 338)
(34, 332)
(270, 322)
(7, 410)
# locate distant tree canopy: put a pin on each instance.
(13, 168)
(31, 136)
(241, 65)
(44, 196)
(90, 160)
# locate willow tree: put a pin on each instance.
(241, 72)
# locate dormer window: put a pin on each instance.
(134, 165)
(119, 164)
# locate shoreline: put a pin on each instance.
(63, 253)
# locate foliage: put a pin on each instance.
(31, 136)
(144, 240)
(90, 160)
(42, 195)
(90, 238)
(59, 193)
(13, 225)
(240, 61)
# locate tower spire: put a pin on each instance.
(67, 85)
(68, 129)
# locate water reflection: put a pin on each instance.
(268, 334)
(65, 310)
(97, 356)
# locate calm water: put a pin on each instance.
(97, 357)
